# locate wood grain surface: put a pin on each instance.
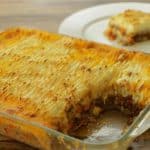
(43, 14)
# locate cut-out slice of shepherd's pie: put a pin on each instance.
(58, 81)
(129, 27)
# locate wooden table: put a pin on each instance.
(44, 14)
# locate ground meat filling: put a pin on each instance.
(124, 104)
(117, 33)
(141, 37)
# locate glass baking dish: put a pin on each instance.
(39, 136)
(45, 138)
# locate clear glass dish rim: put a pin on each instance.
(55, 133)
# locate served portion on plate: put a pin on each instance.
(129, 27)
(96, 20)
(59, 82)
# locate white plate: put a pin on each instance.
(91, 23)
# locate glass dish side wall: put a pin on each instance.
(44, 138)
(48, 139)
